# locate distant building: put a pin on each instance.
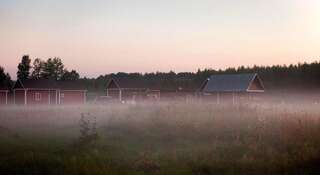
(4, 90)
(45, 91)
(125, 89)
(234, 85)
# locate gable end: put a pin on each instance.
(256, 85)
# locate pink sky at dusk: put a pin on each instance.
(99, 37)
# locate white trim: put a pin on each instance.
(6, 97)
(74, 90)
(112, 79)
(59, 97)
(25, 97)
(14, 96)
(254, 77)
(255, 90)
(233, 98)
(40, 89)
(19, 82)
(37, 96)
(49, 97)
(120, 95)
(56, 97)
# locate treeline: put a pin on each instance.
(279, 77)
(52, 68)
(300, 76)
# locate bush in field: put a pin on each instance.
(88, 129)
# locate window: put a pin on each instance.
(37, 96)
(62, 95)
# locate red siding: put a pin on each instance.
(3, 98)
(72, 97)
(66, 97)
(31, 97)
(19, 97)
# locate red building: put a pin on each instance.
(4, 95)
(72, 92)
(43, 91)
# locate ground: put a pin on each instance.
(161, 138)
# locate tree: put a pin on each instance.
(38, 66)
(24, 68)
(53, 68)
(73, 75)
(5, 79)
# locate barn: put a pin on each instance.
(232, 86)
(46, 91)
(131, 89)
(4, 95)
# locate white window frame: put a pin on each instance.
(37, 96)
(62, 95)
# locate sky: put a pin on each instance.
(102, 36)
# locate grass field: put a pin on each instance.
(161, 138)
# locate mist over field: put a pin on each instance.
(167, 137)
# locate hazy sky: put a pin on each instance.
(102, 36)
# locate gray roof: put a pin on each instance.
(230, 83)
(36, 83)
(4, 88)
(49, 84)
(70, 85)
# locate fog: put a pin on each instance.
(278, 133)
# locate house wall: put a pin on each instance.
(72, 97)
(230, 97)
(176, 95)
(31, 97)
(19, 97)
(54, 95)
(255, 85)
(3, 96)
(114, 93)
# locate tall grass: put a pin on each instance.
(160, 138)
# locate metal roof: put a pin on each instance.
(230, 82)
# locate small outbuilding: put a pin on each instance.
(232, 85)
(126, 89)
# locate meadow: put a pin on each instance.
(196, 138)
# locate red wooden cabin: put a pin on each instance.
(45, 91)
